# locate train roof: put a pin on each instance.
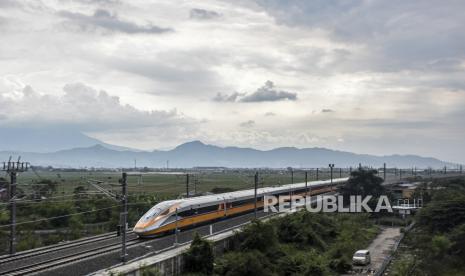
(201, 201)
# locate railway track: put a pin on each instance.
(54, 255)
(28, 269)
(51, 248)
(42, 261)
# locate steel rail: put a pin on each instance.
(23, 270)
(56, 247)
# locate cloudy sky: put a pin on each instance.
(376, 77)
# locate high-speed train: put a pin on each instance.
(161, 218)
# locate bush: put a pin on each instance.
(244, 263)
(306, 229)
(199, 257)
(340, 265)
(27, 241)
(259, 236)
(149, 271)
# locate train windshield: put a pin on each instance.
(159, 209)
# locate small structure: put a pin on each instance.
(404, 201)
(404, 190)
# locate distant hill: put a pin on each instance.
(46, 139)
(196, 153)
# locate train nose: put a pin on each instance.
(138, 231)
(138, 228)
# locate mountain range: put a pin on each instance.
(196, 153)
(47, 139)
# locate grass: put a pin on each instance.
(164, 185)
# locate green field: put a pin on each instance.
(164, 185)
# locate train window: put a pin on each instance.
(172, 218)
(187, 213)
(154, 211)
(242, 202)
(207, 209)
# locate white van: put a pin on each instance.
(361, 257)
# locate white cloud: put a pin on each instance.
(203, 14)
(248, 124)
(392, 70)
(83, 107)
(266, 93)
(104, 20)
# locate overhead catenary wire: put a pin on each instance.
(57, 217)
(56, 201)
(69, 215)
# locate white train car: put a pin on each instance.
(161, 218)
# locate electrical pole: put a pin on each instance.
(306, 188)
(13, 175)
(187, 185)
(13, 168)
(340, 172)
(292, 182)
(124, 214)
(255, 194)
(384, 171)
(331, 166)
(176, 228)
(195, 186)
(317, 170)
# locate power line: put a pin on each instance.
(63, 216)
(57, 201)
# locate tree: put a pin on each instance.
(244, 263)
(258, 236)
(458, 241)
(199, 257)
(79, 192)
(44, 187)
(305, 228)
(439, 246)
(442, 216)
(364, 183)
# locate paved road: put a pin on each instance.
(380, 249)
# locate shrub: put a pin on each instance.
(244, 263)
(199, 257)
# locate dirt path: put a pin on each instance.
(380, 249)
